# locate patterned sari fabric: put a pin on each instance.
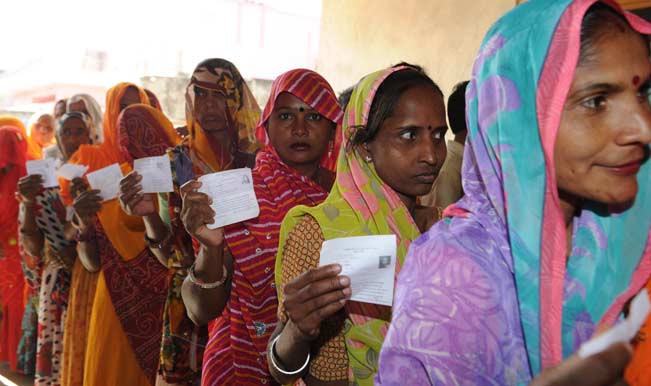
(359, 204)
(13, 155)
(183, 342)
(488, 296)
(236, 351)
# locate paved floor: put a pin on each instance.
(9, 378)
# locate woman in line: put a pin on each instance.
(88, 105)
(299, 125)
(42, 233)
(221, 114)
(393, 146)
(119, 349)
(40, 134)
(552, 238)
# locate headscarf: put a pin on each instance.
(495, 273)
(153, 100)
(95, 113)
(243, 110)
(99, 156)
(314, 91)
(278, 188)
(33, 149)
(360, 204)
(138, 140)
(13, 151)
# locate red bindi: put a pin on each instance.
(636, 80)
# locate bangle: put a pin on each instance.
(84, 237)
(158, 244)
(272, 357)
(200, 283)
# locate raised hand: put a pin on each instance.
(86, 205)
(132, 200)
(314, 296)
(196, 214)
(29, 187)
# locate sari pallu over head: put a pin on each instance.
(136, 281)
(359, 204)
(94, 112)
(499, 258)
(278, 188)
(242, 112)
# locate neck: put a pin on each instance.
(225, 145)
(308, 170)
(409, 201)
(569, 206)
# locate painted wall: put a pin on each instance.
(361, 36)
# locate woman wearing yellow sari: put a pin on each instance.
(393, 148)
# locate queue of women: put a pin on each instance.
(542, 255)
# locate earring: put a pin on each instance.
(368, 159)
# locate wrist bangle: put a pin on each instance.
(158, 244)
(82, 237)
(273, 359)
(200, 283)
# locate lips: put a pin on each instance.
(300, 146)
(627, 169)
(426, 178)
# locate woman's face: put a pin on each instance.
(299, 133)
(605, 128)
(43, 130)
(74, 133)
(130, 97)
(409, 149)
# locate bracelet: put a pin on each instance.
(200, 283)
(158, 244)
(272, 355)
(84, 237)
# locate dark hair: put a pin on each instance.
(344, 97)
(387, 96)
(599, 23)
(457, 108)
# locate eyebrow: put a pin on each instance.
(414, 127)
(305, 108)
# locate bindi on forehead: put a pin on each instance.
(636, 80)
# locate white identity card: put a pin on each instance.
(71, 171)
(369, 262)
(46, 168)
(624, 331)
(107, 181)
(156, 174)
(232, 194)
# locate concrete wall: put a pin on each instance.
(361, 36)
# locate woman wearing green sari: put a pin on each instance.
(393, 148)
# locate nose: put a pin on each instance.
(637, 125)
(427, 152)
(299, 128)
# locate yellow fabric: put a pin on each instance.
(75, 333)
(34, 151)
(112, 362)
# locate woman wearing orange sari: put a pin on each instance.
(13, 155)
(40, 134)
(119, 350)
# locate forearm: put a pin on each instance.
(157, 231)
(205, 304)
(31, 236)
(89, 252)
(290, 353)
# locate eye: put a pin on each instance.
(644, 93)
(284, 116)
(408, 134)
(199, 92)
(438, 134)
(314, 117)
(596, 103)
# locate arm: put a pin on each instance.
(86, 204)
(31, 237)
(136, 203)
(204, 304)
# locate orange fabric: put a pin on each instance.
(34, 151)
(111, 364)
(638, 372)
(77, 324)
